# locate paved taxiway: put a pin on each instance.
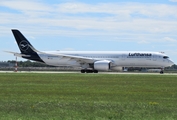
(63, 72)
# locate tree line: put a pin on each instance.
(28, 63)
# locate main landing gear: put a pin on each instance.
(89, 71)
(162, 71)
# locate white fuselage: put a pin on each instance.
(91, 61)
(120, 59)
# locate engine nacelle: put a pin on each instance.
(103, 65)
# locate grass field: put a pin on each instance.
(31, 96)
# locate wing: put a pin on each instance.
(77, 58)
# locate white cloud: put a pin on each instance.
(25, 5)
(173, 0)
(168, 39)
(123, 9)
(89, 19)
(143, 42)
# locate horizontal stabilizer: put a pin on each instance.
(18, 54)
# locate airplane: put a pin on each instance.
(92, 61)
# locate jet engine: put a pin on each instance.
(103, 65)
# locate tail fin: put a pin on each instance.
(24, 46)
(22, 42)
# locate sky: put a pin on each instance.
(90, 25)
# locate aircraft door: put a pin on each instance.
(123, 56)
(154, 58)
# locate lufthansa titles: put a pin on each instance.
(139, 55)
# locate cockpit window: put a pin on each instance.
(165, 57)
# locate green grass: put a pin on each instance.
(87, 96)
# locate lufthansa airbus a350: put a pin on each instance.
(92, 61)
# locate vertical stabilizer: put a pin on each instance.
(24, 46)
(22, 42)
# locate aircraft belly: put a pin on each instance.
(132, 62)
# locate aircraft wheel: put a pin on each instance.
(95, 71)
(162, 71)
(82, 71)
(89, 71)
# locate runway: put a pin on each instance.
(78, 72)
